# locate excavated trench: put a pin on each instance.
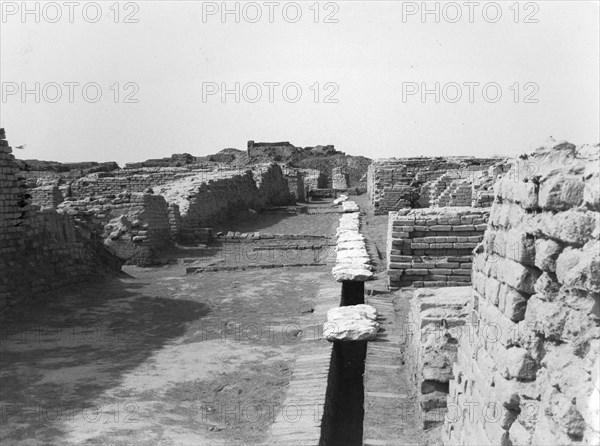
(342, 422)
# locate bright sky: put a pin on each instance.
(376, 51)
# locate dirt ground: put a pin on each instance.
(161, 357)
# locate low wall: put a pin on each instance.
(134, 226)
(205, 201)
(528, 375)
(433, 247)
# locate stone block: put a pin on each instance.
(579, 268)
(546, 253)
(561, 190)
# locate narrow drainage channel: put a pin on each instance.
(343, 415)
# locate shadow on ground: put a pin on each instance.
(61, 353)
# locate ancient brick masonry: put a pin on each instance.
(295, 179)
(40, 251)
(528, 373)
(209, 199)
(433, 247)
(134, 226)
(339, 178)
(394, 184)
(436, 323)
(46, 197)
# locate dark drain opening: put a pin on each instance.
(342, 422)
(353, 293)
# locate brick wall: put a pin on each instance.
(339, 179)
(396, 183)
(40, 250)
(433, 247)
(436, 322)
(134, 226)
(528, 375)
(295, 180)
(46, 197)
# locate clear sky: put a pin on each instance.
(374, 59)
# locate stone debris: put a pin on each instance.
(351, 323)
(350, 206)
(352, 259)
(361, 311)
(339, 200)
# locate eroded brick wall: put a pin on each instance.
(134, 226)
(528, 374)
(40, 250)
(339, 179)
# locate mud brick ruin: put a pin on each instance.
(481, 313)
(536, 281)
(398, 183)
(40, 249)
(433, 247)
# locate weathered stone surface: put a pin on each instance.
(340, 199)
(360, 311)
(518, 364)
(350, 206)
(352, 257)
(546, 253)
(350, 330)
(352, 272)
(580, 268)
(561, 189)
(536, 344)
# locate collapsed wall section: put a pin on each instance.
(433, 247)
(529, 372)
(134, 226)
(40, 251)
